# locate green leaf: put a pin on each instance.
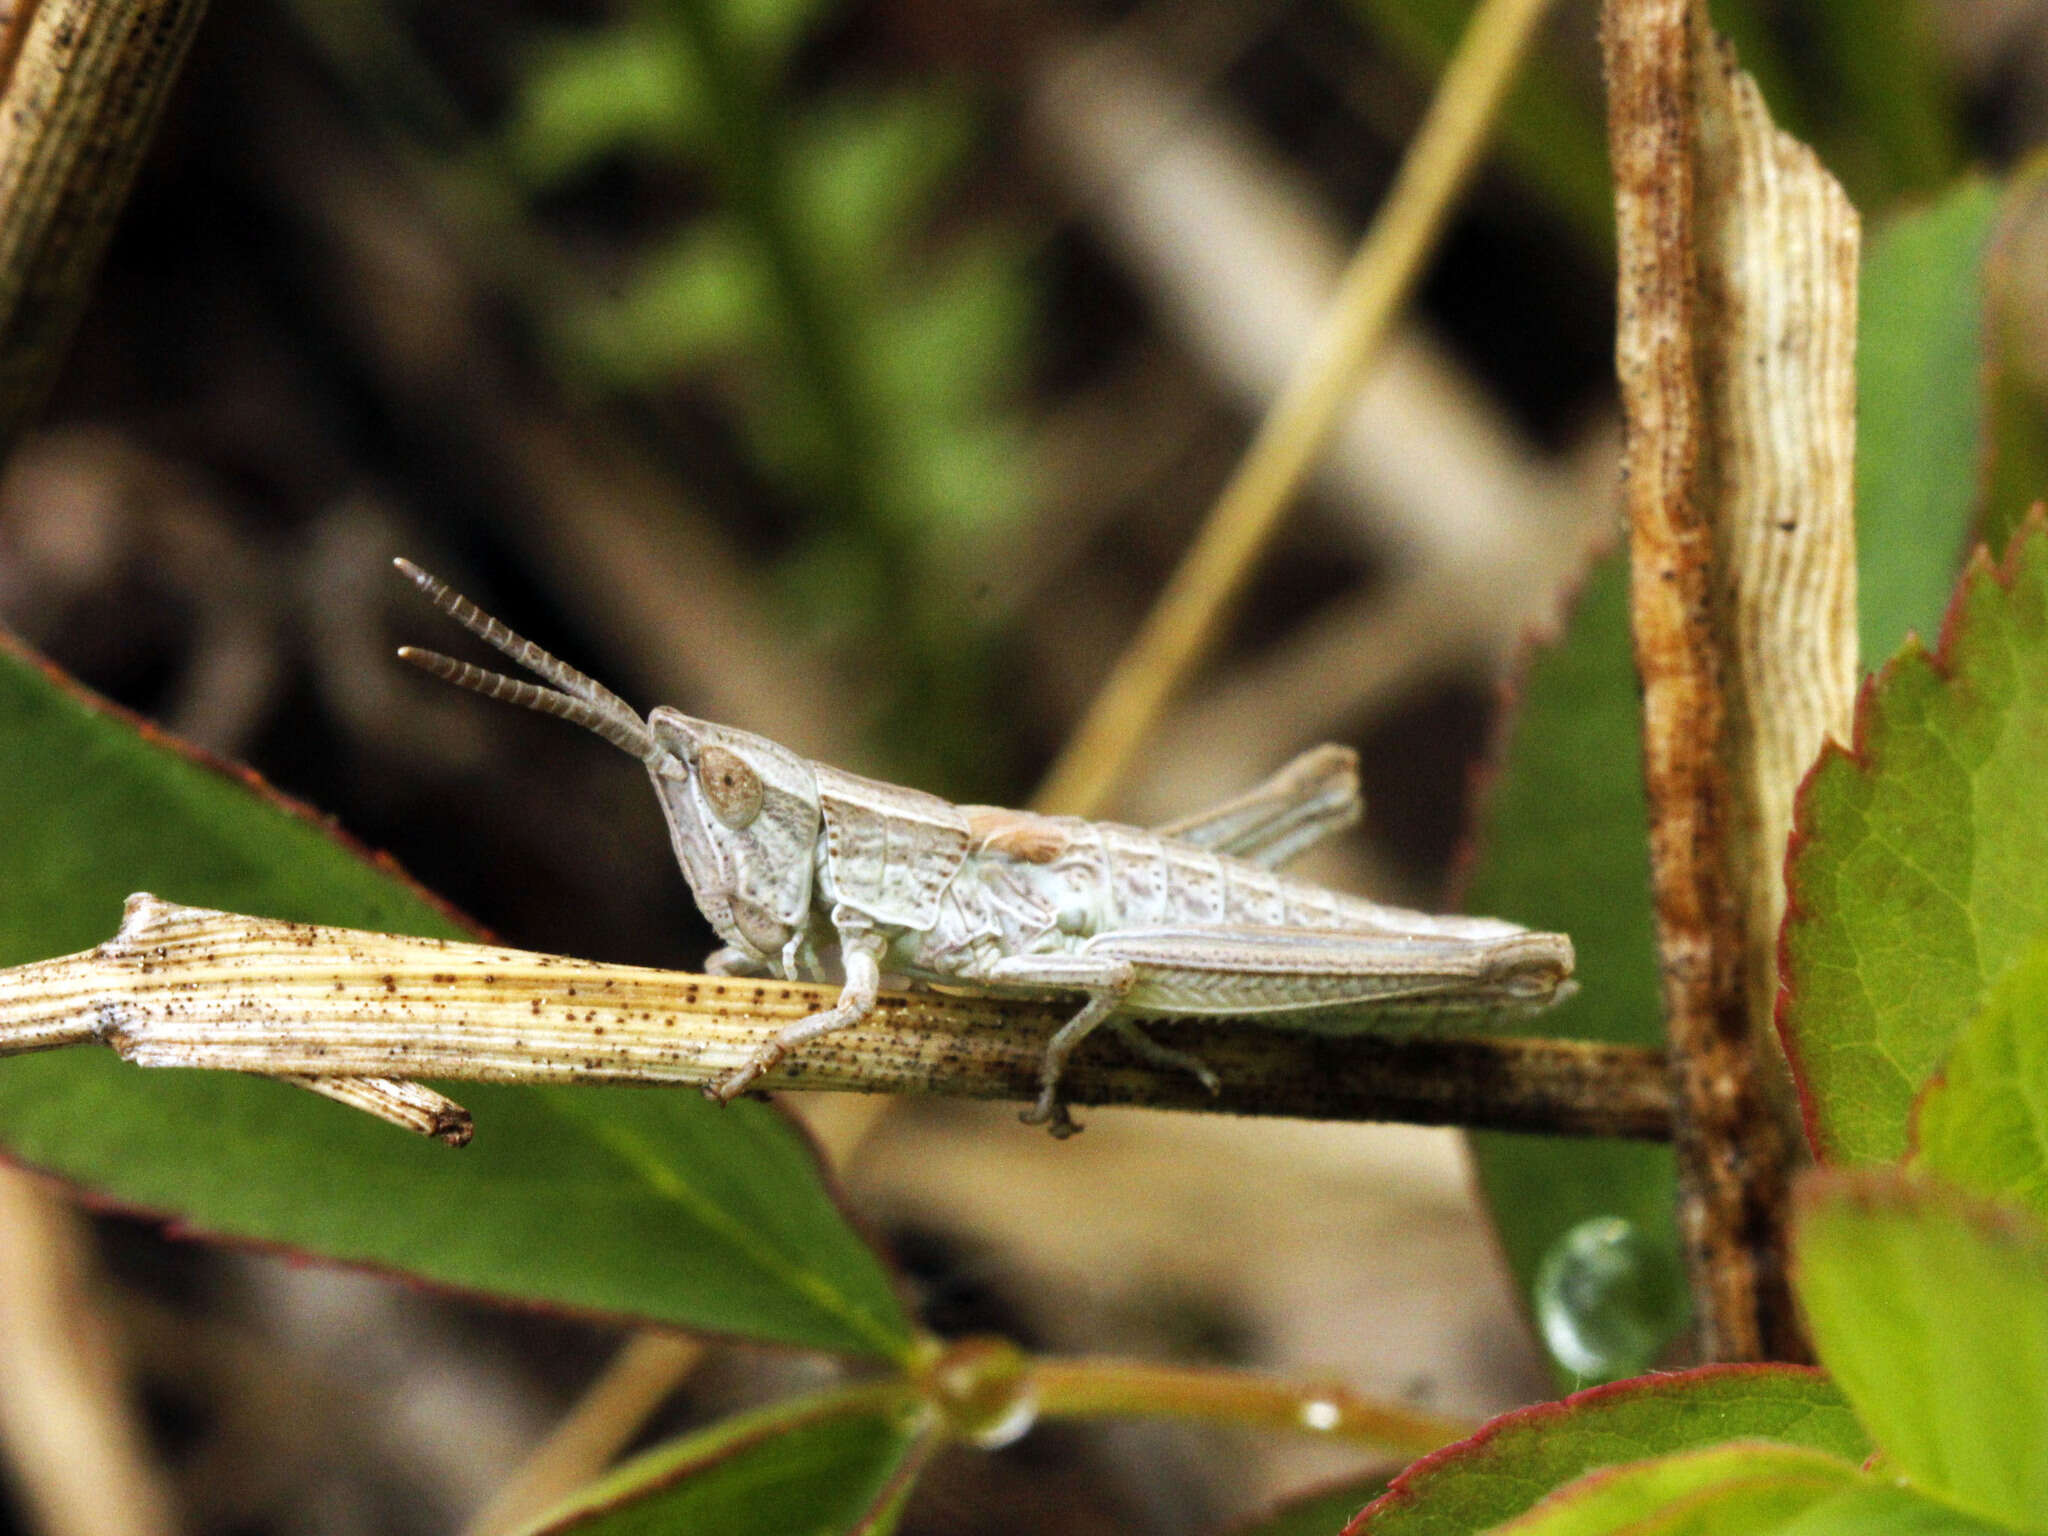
(1317, 1514)
(1981, 1124)
(629, 1202)
(702, 298)
(1931, 1314)
(1518, 1459)
(1561, 847)
(765, 32)
(1919, 408)
(1919, 870)
(2016, 372)
(1880, 1509)
(838, 1464)
(585, 97)
(1894, 119)
(1747, 1488)
(862, 168)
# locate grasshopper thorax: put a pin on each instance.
(743, 815)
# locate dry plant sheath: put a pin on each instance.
(807, 871)
(1733, 354)
(85, 81)
(187, 987)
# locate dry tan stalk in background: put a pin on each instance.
(1184, 620)
(87, 81)
(75, 1447)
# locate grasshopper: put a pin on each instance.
(809, 872)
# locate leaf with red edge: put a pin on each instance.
(837, 1464)
(626, 1202)
(1919, 864)
(1318, 1513)
(1521, 1457)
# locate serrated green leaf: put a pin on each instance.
(1983, 1124)
(587, 96)
(1932, 1316)
(1919, 873)
(839, 1464)
(1562, 847)
(1919, 410)
(1746, 1488)
(635, 1203)
(1518, 1459)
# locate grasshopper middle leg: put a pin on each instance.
(1108, 983)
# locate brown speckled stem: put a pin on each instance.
(185, 987)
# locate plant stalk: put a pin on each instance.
(1183, 622)
(360, 1014)
(1131, 1389)
(1731, 1153)
(86, 81)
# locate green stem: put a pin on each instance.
(1105, 1388)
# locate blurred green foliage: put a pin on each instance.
(867, 365)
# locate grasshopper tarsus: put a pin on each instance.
(797, 864)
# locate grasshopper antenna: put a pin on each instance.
(578, 699)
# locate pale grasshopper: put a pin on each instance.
(809, 872)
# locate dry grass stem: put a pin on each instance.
(1732, 244)
(1778, 253)
(646, 1371)
(87, 82)
(1184, 620)
(185, 987)
(75, 1446)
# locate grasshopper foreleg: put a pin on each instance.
(730, 960)
(862, 950)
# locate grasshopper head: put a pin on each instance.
(743, 814)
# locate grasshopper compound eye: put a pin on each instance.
(732, 788)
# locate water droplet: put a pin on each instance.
(1007, 1427)
(982, 1387)
(1321, 1414)
(1608, 1299)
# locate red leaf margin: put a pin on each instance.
(174, 1226)
(1859, 754)
(1414, 1482)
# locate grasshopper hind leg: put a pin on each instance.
(1166, 1056)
